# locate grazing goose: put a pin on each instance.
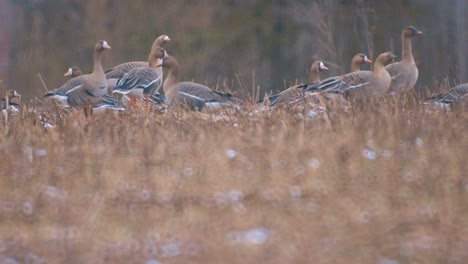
(10, 103)
(73, 71)
(191, 95)
(143, 81)
(453, 96)
(358, 60)
(294, 92)
(404, 73)
(91, 89)
(363, 84)
(117, 72)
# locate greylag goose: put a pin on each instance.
(453, 96)
(143, 81)
(73, 71)
(362, 84)
(10, 103)
(92, 88)
(192, 95)
(358, 60)
(117, 72)
(292, 93)
(404, 73)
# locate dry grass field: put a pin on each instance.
(379, 185)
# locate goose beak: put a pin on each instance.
(324, 68)
(15, 93)
(418, 33)
(366, 60)
(69, 72)
(167, 39)
(105, 45)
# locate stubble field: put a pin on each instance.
(290, 185)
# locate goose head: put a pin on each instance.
(318, 66)
(411, 31)
(385, 58)
(102, 45)
(361, 58)
(73, 71)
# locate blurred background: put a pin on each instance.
(269, 44)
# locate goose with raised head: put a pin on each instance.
(92, 88)
(60, 94)
(453, 96)
(143, 81)
(404, 73)
(10, 103)
(360, 84)
(358, 60)
(115, 73)
(192, 95)
(294, 92)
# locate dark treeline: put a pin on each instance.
(275, 41)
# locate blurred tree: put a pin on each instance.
(215, 40)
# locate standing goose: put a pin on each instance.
(11, 102)
(364, 84)
(292, 93)
(60, 94)
(453, 96)
(404, 73)
(143, 81)
(117, 72)
(358, 60)
(94, 86)
(191, 95)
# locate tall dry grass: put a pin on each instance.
(248, 186)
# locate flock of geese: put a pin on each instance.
(140, 82)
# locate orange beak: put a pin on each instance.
(69, 72)
(367, 60)
(418, 33)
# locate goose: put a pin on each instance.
(363, 84)
(115, 73)
(404, 73)
(294, 92)
(10, 103)
(73, 71)
(192, 95)
(60, 95)
(91, 89)
(358, 60)
(142, 81)
(453, 96)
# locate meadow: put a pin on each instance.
(386, 184)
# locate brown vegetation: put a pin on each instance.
(243, 186)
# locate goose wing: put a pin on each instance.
(118, 71)
(144, 78)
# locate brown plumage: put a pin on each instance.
(452, 96)
(358, 60)
(118, 71)
(73, 71)
(191, 95)
(360, 84)
(404, 73)
(94, 85)
(143, 81)
(10, 102)
(294, 92)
